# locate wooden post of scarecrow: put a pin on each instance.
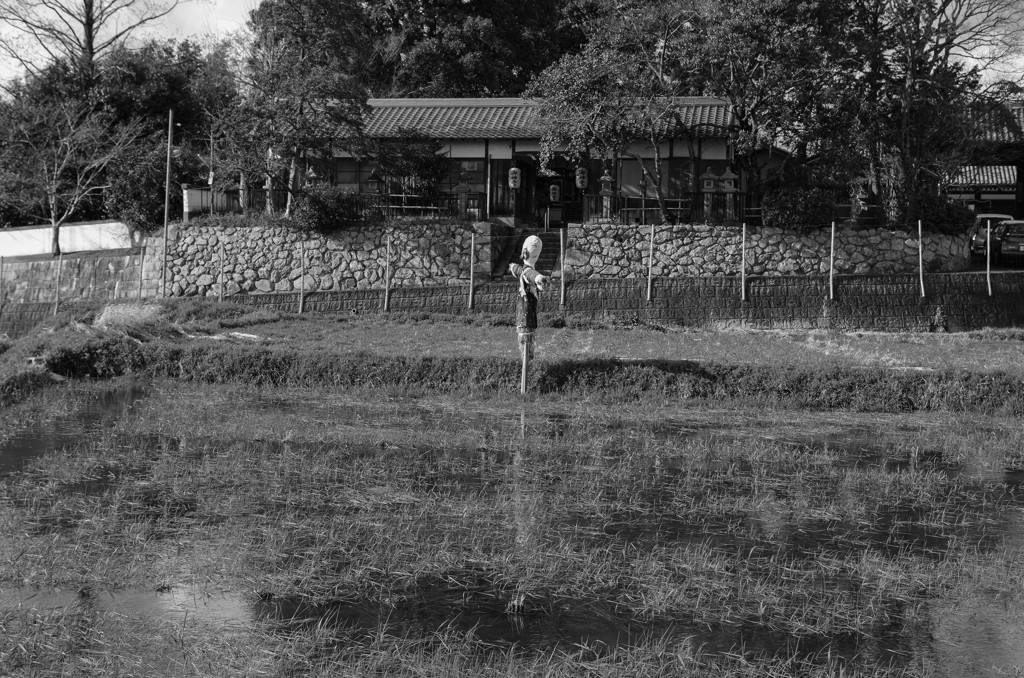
(531, 283)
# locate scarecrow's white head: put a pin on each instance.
(531, 250)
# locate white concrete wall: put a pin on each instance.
(86, 236)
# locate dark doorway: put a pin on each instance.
(550, 197)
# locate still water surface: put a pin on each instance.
(980, 636)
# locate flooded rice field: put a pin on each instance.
(170, 529)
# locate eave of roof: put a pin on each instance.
(997, 176)
(508, 118)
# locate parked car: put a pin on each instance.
(1008, 240)
(977, 236)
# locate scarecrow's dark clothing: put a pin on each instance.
(526, 302)
(526, 307)
(526, 312)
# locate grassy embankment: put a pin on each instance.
(810, 370)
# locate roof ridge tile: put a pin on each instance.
(506, 118)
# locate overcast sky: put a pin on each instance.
(191, 19)
(205, 17)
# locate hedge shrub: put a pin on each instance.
(939, 214)
(798, 209)
(325, 209)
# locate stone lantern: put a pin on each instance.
(727, 183)
(709, 187)
(374, 181)
(606, 194)
(462, 190)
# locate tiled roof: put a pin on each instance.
(507, 118)
(454, 118)
(1003, 176)
(1004, 124)
(708, 117)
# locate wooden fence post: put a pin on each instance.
(3, 289)
(988, 256)
(211, 170)
(832, 263)
(387, 276)
(472, 267)
(743, 263)
(650, 265)
(302, 277)
(220, 255)
(167, 198)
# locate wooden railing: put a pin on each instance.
(442, 206)
(689, 208)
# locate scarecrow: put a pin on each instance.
(531, 283)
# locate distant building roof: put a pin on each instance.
(1004, 123)
(510, 118)
(981, 177)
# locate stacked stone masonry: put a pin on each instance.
(611, 250)
(695, 282)
(281, 259)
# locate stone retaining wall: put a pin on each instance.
(281, 259)
(599, 250)
(110, 274)
(694, 277)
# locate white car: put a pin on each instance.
(981, 223)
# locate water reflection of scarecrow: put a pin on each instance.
(531, 283)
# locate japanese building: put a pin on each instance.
(486, 138)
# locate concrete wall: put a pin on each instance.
(115, 274)
(84, 236)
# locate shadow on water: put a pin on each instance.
(103, 411)
(566, 627)
(761, 526)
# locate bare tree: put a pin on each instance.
(74, 31)
(985, 33)
(57, 155)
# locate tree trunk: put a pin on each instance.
(293, 171)
(269, 183)
(55, 224)
(55, 238)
